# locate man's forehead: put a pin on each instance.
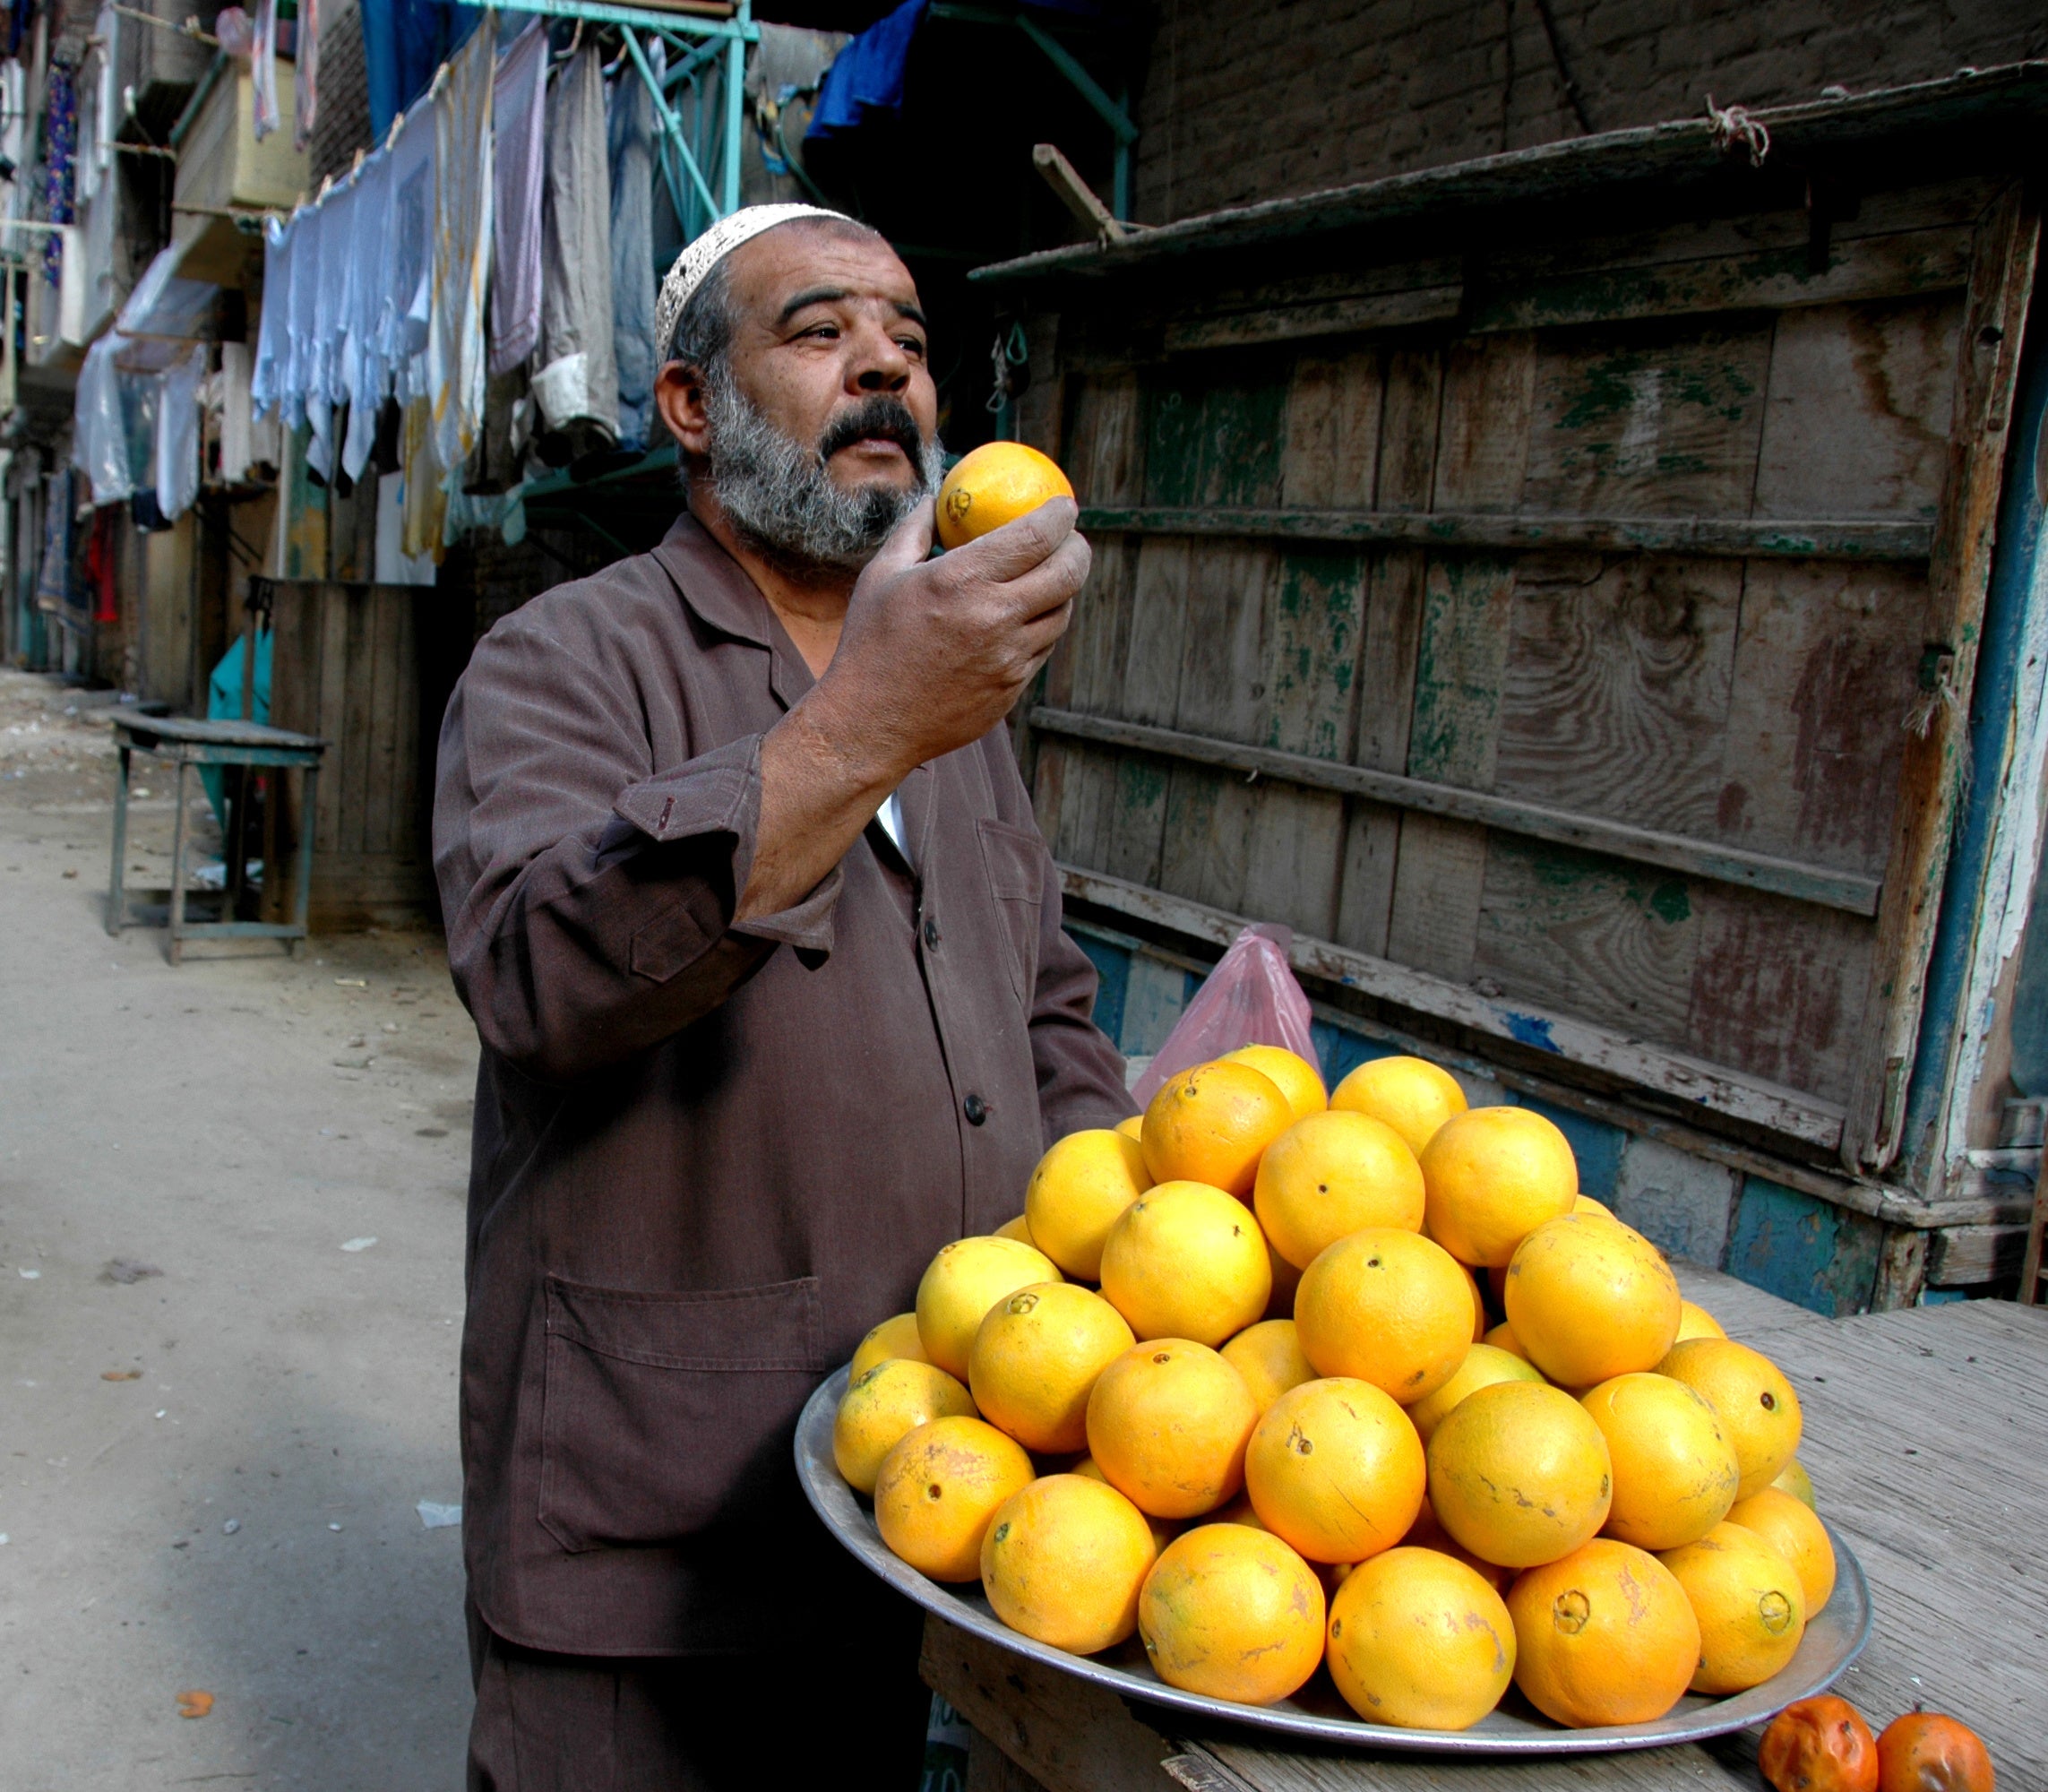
(783, 264)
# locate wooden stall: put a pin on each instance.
(369, 669)
(1556, 587)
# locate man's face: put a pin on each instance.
(816, 436)
(826, 323)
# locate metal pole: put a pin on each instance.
(735, 108)
(1120, 194)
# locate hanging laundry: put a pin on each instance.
(100, 426)
(404, 41)
(578, 385)
(362, 375)
(238, 424)
(410, 270)
(273, 333)
(425, 505)
(308, 224)
(263, 60)
(333, 215)
(306, 75)
(463, 192)
(60, 158)
(177, 433)
(865, 81)
(518, 102)
(630, 143)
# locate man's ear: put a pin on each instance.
(679, 397)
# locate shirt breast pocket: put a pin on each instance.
(1015, 859)
(664, 1412)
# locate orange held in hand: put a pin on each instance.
(1926, 1752)
(995, 484)
(1819, 1746)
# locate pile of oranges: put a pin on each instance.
(1229, 1383)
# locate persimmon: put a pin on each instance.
(1819, 1746)
(1926, 1752)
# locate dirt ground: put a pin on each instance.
(231, 1201)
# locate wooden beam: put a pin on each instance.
(1935, 762)
(1731, 536)
(1075, 193)
(1752, 1099)
(1844, 890)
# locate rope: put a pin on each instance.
(1733, 125)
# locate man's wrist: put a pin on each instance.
(843, 746)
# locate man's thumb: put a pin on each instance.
(909, 543)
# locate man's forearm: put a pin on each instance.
(820, 784)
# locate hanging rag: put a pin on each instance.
(865, 81)
(237, 445)
(409, 274)
(463, 191)
(518, 101)
(630, 143)
(60, 163)
(296, 382)
(404, 41)
(263, 60)
(306, 77)
(177, 433)
(100, 426)
(425, 502)
(273, 333)
(578, 385)
(362, 365)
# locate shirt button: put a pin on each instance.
(975, 1110)
(931, 934)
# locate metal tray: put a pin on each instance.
(1834, 1638)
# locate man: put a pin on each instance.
(743, 892)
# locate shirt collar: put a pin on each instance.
(716, 588)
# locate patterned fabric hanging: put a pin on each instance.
(60, 133)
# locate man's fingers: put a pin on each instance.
(1003, 554)
(1052, 581)
(908, 545)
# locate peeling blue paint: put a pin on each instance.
(1803, 1249)
(1529, 1030)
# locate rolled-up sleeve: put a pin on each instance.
(589, 896)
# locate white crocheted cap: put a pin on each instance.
(700, 257)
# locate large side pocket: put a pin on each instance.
(663, 1412)
(1015, 859)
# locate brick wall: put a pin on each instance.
(1243, 104)
(342, 125)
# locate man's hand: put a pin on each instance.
(933, 654)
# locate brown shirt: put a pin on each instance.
(708, 1157)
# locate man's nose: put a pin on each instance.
(878, 363)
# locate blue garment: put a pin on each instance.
(224, 703)
(865, 79)
(630, 146)
(404, 41)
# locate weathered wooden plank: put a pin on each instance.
(1150, 681)
(1959, 1256)
(1930, 776)
(1483, 428)
(1658, 419)
(1105, 450)
(1856, 418)
(1778, 987)
(1649, 845)
(352, 749)
(1857, 268)
(392, 727)
(1738, 537)
(1770, 1105)
(1589, 936)
(1329, 317)
(335, 670)
(1213, 433)
(1615, 695)
(1824, 681)
(1332, 455)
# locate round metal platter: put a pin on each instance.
(1834, 1638)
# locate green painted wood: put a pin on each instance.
(1215, 440)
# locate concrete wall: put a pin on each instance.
(1245, 104)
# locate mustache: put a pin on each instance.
(879, 418)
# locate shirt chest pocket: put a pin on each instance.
(664, 1412)
(1014, 860)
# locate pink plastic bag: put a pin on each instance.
(1250, 999)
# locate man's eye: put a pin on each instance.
(910, 345)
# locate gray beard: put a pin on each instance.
(781, 500)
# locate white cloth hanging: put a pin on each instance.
(274, 333)
(177, 433)
(463, 194)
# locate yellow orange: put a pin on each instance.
(1268, 1356)
(894, 1337)
(1133, 1127)
(1484, 1364)
(1426, 1533)
(1604, 1635)
(1494, 1174)
(1036, 1359)
(1696, 1321)
(882, 1407)
(1674, 1468)
(1388, 1307)
(1164, 1530)
(1502, 1337)
(1794, 1479)
(1411, 1095)
(1168, 1425)
(1298, 1079)
(1586, 1205)
(1420, 1640)
(962, 1283)
(1232, 1613)
(1287, 1282)
(1019, 1228)
(1075, 1194)
(1336, 1468)
(1212, 1124)
(938, 1489)
(1185, 1260)
(1063, 1561)
(1750, 1607)
(1590, 1299)
(1478, 1305)
(1520, 1474)
(1332, 1174)
(1756, 1405)
(995, 484)
(1791, 1527)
